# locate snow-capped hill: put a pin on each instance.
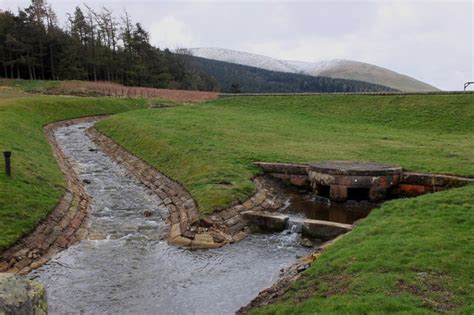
(243, 58)
(335, 68)
(314, 68)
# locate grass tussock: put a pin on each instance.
(102, 88)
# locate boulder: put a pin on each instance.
(19, 295)
(203, 241)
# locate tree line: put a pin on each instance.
(94, 46)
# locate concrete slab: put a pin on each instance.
(266, 221)
(324, 229)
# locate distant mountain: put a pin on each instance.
(337, 68)
(234, 78)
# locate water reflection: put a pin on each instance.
(302, 204)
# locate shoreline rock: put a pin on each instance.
(19, 295)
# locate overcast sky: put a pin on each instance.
(429, 40)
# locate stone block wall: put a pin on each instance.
(414, 184)
(65, 225)
(294, 174)
(408, 184)
(187, 227)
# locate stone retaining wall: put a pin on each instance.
(414, 184)
(188, 229)
(294, 174)
(349, 93)
(409, 184)
(65, 225)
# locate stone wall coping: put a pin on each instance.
(265, 214)
(407, 177)
(354, 168)
(434, 179)
(283, 168)
(328, 223)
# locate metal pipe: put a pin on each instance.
(7, 155)
(467, 84)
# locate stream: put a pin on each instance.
(130, 269)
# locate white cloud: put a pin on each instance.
(412, 38)
(171, 32)
(430, 40)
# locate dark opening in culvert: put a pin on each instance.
(323, 190)
(358, 194)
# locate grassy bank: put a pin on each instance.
(37, 182)
(412, 256)
(204, 145)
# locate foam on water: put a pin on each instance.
(133, 270)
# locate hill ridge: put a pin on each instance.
(334, 68)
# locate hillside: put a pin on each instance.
(340, 69)
(233, 77)
(410, 256)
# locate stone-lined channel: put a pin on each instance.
(131, 269)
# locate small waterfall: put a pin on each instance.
(294, 228)
(295, 224)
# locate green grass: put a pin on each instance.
(31, 86)
(37, 183)
(411, 256)
(218, 141)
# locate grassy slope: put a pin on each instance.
(37, 183)
(30, 86)
(207, 144)
(410, 256)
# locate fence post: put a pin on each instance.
(7, 155)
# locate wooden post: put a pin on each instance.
(7, 155)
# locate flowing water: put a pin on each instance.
(132, 270)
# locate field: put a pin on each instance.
(215, 142)
(87, 88)
(409, 256)
(412, 256)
